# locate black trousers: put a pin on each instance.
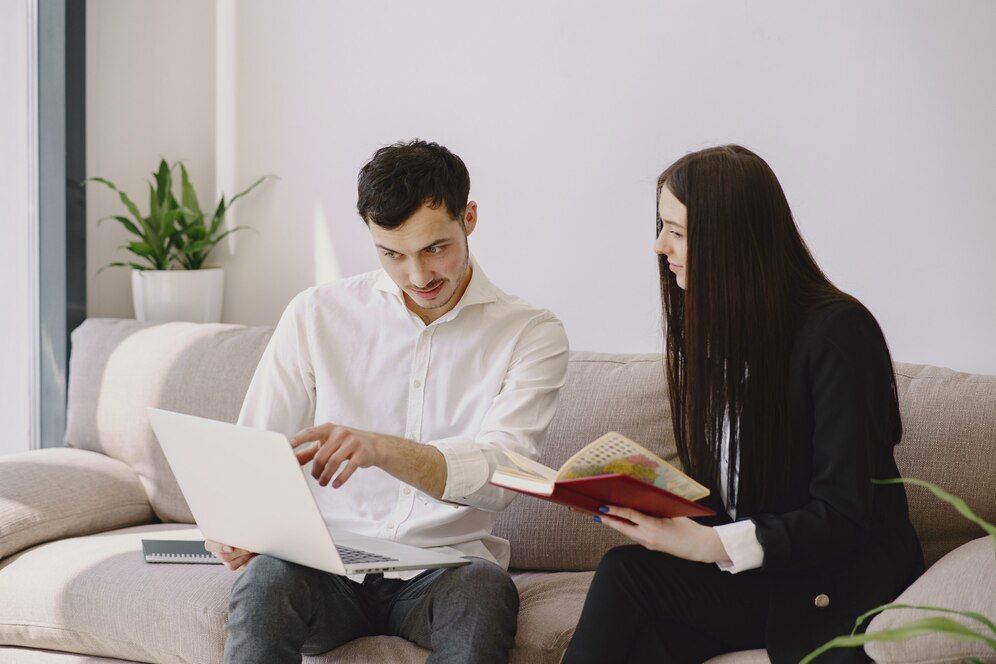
(647, 606)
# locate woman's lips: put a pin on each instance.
(673, 267)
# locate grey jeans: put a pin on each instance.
(280, 610)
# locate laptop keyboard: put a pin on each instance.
(353, 556)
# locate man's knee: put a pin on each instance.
(267, 578)
(482, 580)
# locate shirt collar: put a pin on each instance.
(480, 290)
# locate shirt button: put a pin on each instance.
(390, 524)
(418, 384)
(407, 491)
(822, 601)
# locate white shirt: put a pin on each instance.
(482, 378)
(739, 538)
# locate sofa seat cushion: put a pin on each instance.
(97, 596)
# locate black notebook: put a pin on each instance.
(178, 551)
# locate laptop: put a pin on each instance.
(246, 489)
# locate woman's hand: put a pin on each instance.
(680, 536)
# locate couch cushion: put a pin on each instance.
(964, 580)
(96, 595)
(949, 438)
(603, 392)
(55, 493)
(119, 367)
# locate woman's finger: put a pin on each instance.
(626, 513)
(629, 530)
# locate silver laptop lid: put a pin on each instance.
(246, 488)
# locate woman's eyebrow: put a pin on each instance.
(672, 223)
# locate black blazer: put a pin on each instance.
(835, 545)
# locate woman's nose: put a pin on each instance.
(660, 245)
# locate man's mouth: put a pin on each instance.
(429, 293)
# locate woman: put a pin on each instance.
(784, 401)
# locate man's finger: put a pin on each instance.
(329, 447)
(307, 454)
(345, 451)
(309, 435)
(344, 475)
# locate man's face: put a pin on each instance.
(428, 258)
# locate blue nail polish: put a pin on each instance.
(598, 519)
(603, 509)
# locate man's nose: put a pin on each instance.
(419, 275)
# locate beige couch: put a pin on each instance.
(74, 587)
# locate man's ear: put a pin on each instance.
(470, 217)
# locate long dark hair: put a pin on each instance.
(751, 281)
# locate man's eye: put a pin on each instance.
(434, 250)
(391, 255)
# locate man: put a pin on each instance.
(403, 387)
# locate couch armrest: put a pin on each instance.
(964, 580)
(61, 492)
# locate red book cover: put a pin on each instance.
(588, 493)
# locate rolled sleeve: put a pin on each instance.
(742, 548)
(517, 418)
(467, 468)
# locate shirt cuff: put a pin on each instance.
(467, 468)
(742, 548)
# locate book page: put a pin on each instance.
(615, 453)
(530, 467)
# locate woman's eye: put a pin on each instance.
(676, 234)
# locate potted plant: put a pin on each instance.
(170, 279)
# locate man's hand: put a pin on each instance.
(680, 536)
(234, 559)
(334, 444)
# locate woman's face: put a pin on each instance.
(672, 242)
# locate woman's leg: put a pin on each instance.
(649, 606)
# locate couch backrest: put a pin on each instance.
(118, 367)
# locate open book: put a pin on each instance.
(612, 470)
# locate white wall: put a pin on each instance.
(877, 117)
(18, 224)
(149, 93)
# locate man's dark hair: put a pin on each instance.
(403, 177)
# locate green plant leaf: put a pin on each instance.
(163, 182)
(121, 195)
(188, 196)
(949, 498)
(219, 215)
(248, 189)
(935, 624)
(966, 614)
(124, 221)
(134, 266)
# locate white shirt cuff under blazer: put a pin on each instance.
(479, 380)
(740, 541)
(739, 538)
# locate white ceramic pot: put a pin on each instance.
(167, 295)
